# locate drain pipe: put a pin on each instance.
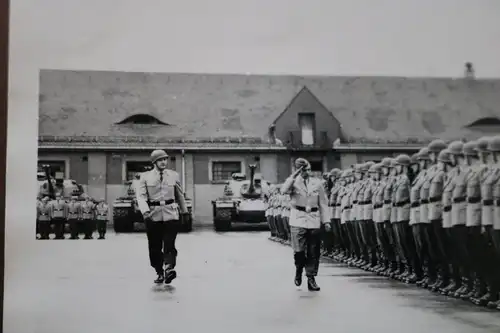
(183, 170)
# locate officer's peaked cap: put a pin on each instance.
(494, 144)
(436, 146)
(456, 147)
(300, 162)
(158, 154)
(444, 156)
(469, 148)
(402, 159)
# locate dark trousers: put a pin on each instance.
(306, 244)
(490, 261)
(73, 228)
(460, 239)
(44, 229)
(88, 227)
(453, 255)
(437, 248)
(358, 227)
(328, 239)
(285, 220)
(370, 240)
(161, 243)
(345, 244)
(420, 234)
(272, 226)
(279, 226)
(353, 240)
(406, 246)
(59, 227)
(101, 227)
(384, 243)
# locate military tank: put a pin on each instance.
(242, 202)
(126, 214)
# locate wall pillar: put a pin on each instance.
(97, 175)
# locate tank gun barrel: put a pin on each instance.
(251, 188)
(50, 187)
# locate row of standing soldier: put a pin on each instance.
(81, 216)
(432, 219)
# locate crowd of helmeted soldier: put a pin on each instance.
(430, 219)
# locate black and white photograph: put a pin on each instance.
(248, 168)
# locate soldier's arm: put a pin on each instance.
(141, 194)
(323, 206)
(404, 191)
(287, 187)
(179, 195)
(436, 188)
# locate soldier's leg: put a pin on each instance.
(44, 229)
(362, 246)
(388, 248)
(490, 264)
(101, 228)
(414, 259)
(353, 240)
(313, 251)
(286, 221)
(59, 231)
(433, 254)
(442, 264)
(299, 251)
(460, 239)
(73, 229)
(154, 233)
(402, 249)
(453, 257)
(496, 244)
(169, 249)
(272, 227)
(396, 234)
(279, 231)
(475, 245)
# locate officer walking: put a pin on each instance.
(102, 217)
(309, 209)
(161, 199)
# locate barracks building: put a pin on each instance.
(99, 128)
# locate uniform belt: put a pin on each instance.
(161, 202)
(387, 202)
(424, 201)
(458, 200)
(355, 202)
(447, 208)
(303, 209)
(338, 205)
(497, 203)
(401, 203)
(488, 202)
(377, 206)
(102, 214)
(58, 210)
(474, 200)
(435, 199)
(415, 204)
(73, 212)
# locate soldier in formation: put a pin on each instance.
(80, 216)
(432, 218)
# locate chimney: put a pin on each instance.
(272, 134)
(469, 71)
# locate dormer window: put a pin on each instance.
(306, 125)
(141, 119)
(488, 121)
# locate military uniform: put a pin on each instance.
(43, 217)
(285, 215)
(356, 214)
(58, 215)
(160, 198)
(88, 217)
(347, 218)
(74, 217)
(369, 233)
(102, 217)
(309, 209)
(494, 149)
(269, 213)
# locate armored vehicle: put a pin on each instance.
(243, 202)
(126, 214)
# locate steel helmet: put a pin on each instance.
(158, 154)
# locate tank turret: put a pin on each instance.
(252, 189)
(50, 187)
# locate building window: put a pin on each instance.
(57, 168)
(223, 170)
(306, 124)
(142, 119)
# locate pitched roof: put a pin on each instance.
(214, 107)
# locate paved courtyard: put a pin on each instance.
(230, 282)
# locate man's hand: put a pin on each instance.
(298, 171)
(328, 227)
(147, 215)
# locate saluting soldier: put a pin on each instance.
(102, 216)
(59, 214)
(309, 210)
(88, 217)
(43, 217)
(74, 216)
(494, 149)
(161, 198)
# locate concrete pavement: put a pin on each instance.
(226, 282)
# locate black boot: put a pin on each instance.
(298, 276)
(170, 275)
(159, 277)
(311, 284)
(101, 236)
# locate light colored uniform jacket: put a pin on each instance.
(151, 189)
(311, 195)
